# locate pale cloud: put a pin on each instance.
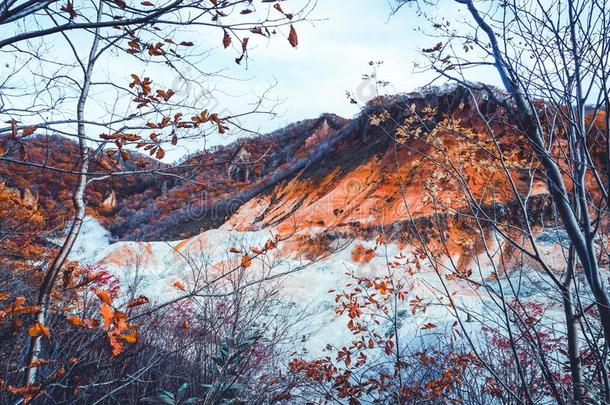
(333, 53)
(335, 46)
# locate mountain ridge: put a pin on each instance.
(327, 172)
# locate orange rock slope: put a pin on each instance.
(376, 171)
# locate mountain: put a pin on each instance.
(342, 199)
(343, 175)
(147, 207)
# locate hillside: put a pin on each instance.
(201, 191)
(346, 175)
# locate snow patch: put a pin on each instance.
(92, 242)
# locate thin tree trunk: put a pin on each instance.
(528, 123)
(78, 199)
(571, 330)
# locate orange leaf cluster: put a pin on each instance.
(117, 329)
(246, 261)
(179, 285)
(83, 323)
(38, 329)
(28, 392)
(141, 300)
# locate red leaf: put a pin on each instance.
(226, 40)
(292, 37)
(244, 44)
(28, 131)
(141, 300)
(69, 8)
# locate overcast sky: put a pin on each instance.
(332, 55)
(336, 43)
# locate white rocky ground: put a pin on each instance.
(305, 291)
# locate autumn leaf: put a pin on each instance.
(3, 296)
(235, 250)
(147, 3)
(134, 46)
(131, 337)
(76, 321)
(19, 307)
(28, 131)
(92, 323)
(292, 37)
(108, 315)
(104, 296)
(270, 244)
(28, 392)
(257, 30)
(428, 325)
(39, 362)
(246, 261)
(104, 165)
(186, 325)
(435, 48)
(141, 300)
(83, 323)
(278, 7)
(23, 154)
(160, 154)
(111, 152)
(156, 49)
(226, 40)
(389, 346)
(38, 329)
(116, 346)
(57, 374)
(69, 8)
(179, 285)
